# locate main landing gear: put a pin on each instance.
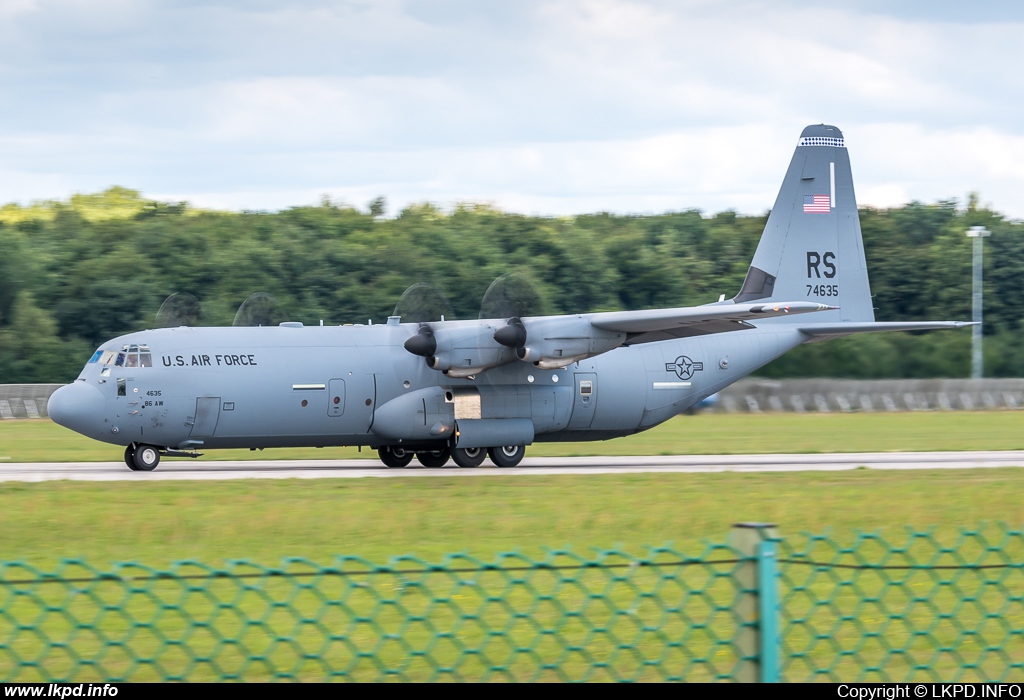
(141, 458)
(434, 458)
(394, 457)
(505, 456)
(469, 456)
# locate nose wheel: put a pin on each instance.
(141, 458)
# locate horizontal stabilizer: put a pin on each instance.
(820, 331)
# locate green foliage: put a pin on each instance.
(100, 265)
(30, 348)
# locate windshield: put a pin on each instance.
(130, 356)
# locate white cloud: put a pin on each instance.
(555, 106)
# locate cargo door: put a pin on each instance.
(585, 401)
(204, 423)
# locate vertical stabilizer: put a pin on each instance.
(811, 248)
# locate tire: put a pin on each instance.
(129, 457)
(146, 458)
(507, 455)
(394, 457)
(469, 457)
(434, 458)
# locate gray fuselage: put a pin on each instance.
(210, 388)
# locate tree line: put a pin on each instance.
(76, 273)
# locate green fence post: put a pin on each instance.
(746, 539)
(768, 592)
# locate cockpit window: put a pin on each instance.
(130, 356)
(96, 357)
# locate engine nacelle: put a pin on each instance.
(460, 349)
(417, 416)
(553, 343)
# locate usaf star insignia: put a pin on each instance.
(684, 367)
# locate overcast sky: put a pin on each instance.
(539, 106)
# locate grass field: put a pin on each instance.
(263, 521)
(266, 520)
(708, 433)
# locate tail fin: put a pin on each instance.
(811, 248)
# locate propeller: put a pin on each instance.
(512, 294)
(260, 309)
(181, 309)
(423, 303)
(512, 335)
(423, 343)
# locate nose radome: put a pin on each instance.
(77, 406)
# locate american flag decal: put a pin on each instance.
(817, 204)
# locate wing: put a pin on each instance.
(665, 324)
(466, 348)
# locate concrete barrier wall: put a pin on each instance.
(25, 400)
(846, 395)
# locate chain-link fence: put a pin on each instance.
(755, 608)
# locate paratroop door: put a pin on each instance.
(207, 415)
(584, 401)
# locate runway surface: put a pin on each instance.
(178, 470)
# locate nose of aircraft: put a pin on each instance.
(77, 406)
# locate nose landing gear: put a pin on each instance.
(141, 458)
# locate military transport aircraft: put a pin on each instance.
(469, 389)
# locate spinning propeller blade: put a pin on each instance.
(512, 294)
(181, 309)
(260, 309)
(423, 303)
